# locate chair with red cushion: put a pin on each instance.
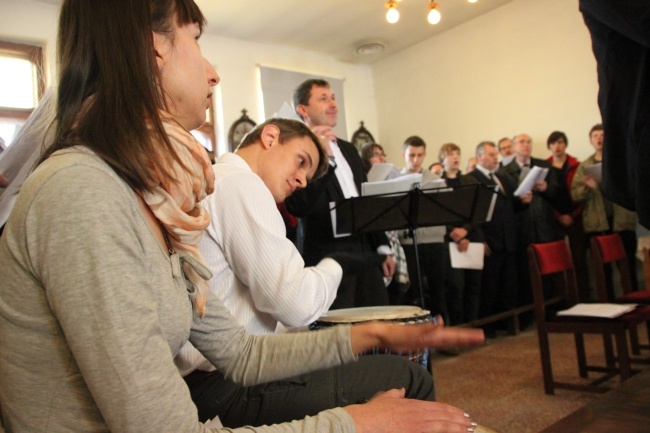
(608, 250)
(554, 258)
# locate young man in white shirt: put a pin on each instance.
(263, 281)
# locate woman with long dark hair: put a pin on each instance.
(102, 282)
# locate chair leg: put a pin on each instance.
(610, 359)
(547, 369)
(582, 357)
(623, 355)
(634, 341)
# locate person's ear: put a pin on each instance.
(160, 47)
(302, 110)
(269, 136)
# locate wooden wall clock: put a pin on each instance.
(362, 136)
(239, 128)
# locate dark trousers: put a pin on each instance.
(578, 245)
(463, 295)
(434, 262)
(364, 288)
(498, 283)
(306, 395)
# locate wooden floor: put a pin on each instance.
(500, 384)
(623, 409)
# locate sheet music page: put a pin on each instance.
(399, 184)
(382, 171)
(598, 310)
(287, 112)
(529, 181)
(595, 171)
(470, 259)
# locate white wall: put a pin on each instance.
(526, 66)
(235, 60)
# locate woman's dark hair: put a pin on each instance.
(367, 152)
(289, 129)
(555, 136)
(110, 91)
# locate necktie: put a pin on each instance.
(495, 180)
(524, 172)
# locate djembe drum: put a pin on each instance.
(404, 314)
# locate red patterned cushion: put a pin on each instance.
(553, 257)
(611, 248)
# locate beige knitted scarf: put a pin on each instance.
(176, 203)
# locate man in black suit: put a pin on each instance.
(535, 222)
(316, 104)
(499, 278)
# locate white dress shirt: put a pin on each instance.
(257, 272)
(343, 172)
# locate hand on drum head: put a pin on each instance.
(391, 412)
(397, 338)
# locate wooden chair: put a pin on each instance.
(609, 250)
(554, 258)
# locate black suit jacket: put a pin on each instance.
(620, 36)
(500, 233)
(473, 233)
(535, 222)
(311, 204)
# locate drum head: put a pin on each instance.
(365, 314)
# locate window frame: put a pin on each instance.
(33, 54)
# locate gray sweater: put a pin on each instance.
(92, 312)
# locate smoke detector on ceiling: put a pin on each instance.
(370, 48)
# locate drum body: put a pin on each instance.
(404, 314)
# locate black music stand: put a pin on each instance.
(413, 209)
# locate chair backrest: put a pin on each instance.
(552, 258)
(607, 249)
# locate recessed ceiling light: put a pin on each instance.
(370, 48)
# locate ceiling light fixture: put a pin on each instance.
(392, 16)
(434, 14)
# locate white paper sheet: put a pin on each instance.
(536, 174)
(382, 171)
(399, 184)
(598, 310)
(286, 111)
(470, 259)
(595, 171)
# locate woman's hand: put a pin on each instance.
(398, 337)
(390, 412)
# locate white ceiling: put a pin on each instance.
(334, 27)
